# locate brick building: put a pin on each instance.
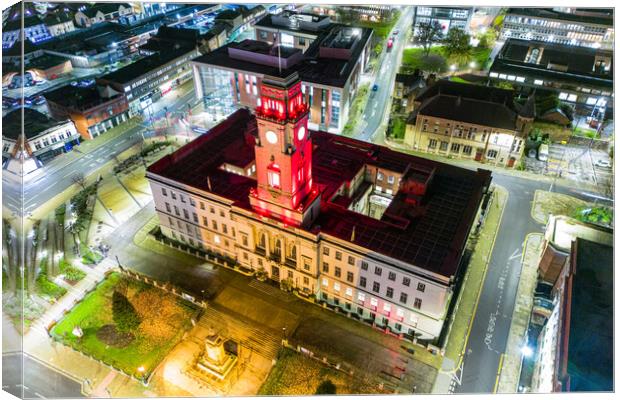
(470, 121)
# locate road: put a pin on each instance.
(379, 102)
(39, 381)
(489, 334)
(55, 177)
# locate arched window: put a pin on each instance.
(261, 241)
(278, 247)
(293, 252)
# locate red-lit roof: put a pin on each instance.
(431, 236)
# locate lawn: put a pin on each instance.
(546, 203)
(480, 55)
(164, 318)
(296, 374)
(414, 58)
(398, 127)
(357, 108)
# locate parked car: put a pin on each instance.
(199, 129)
(395, 32)
(543, 152)
(603, 163)
(531, 153)
(375, 87)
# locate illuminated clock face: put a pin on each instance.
(271, 137)
(301, 133)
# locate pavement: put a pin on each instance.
(376, 113)
(55, 177)
(510, 365)
(244, 305)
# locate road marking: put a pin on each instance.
(473, 317)
(499, 371)
(38, 395)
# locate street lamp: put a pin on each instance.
(526, 351)
(453, 68)
(472, 64)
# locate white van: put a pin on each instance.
(543, 152)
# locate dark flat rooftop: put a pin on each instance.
(578, 60)
(34, 123)
(432, 240)
(591, 330)
(145, 65)
(81, 98)
(548, 13)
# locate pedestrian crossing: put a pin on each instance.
(250, 335)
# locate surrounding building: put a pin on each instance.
(34, 27)
(59, 23)
(582, 76)
(148, 79)
(406, 88)
(580, 328)
(330, 71)
(574, 27)
(560, 232)
(470, 121)
(35, 136)
(376, 233)
(93, 110)
(373, 13)
(101, 12)
(447, 17)
(292, 29)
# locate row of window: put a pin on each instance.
(361, 296)
(51, 139)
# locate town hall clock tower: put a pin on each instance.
(283, 152)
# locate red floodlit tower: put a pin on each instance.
(283, 152)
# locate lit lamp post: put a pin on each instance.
(472, 65)
(453, 68)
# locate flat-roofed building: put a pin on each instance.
(93, 110)
(447, 17)
(291, 29)
(372, 232)
(566, 26)
(470, 121)
(330, 71)
(101, 12)
(148, 79)
(582, 76)
(574, 347)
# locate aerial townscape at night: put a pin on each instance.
(217, 199)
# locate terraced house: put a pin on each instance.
(372, 232)
(470, 121)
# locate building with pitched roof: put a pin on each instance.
(470, 121)
(34, 135)
(366, 230)
(101, 12)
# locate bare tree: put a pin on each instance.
(428, 33)
(79, 180)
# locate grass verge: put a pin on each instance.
(470, 291)
(548, 203)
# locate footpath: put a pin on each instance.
(469, 295)
(97, 379)
(508, 380)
